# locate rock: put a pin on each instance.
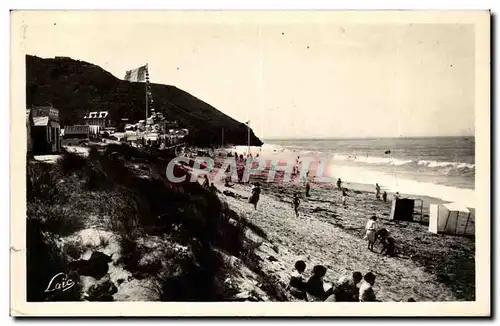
(96, 266)
(275, 248)
(101, 291)
(139, 290)
(272, 258)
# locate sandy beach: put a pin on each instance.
(429, 267)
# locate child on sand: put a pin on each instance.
(371, 230)
(339, 184)
(344, 195)
(315, 288)
(366, 293)
(389, 247)
(295, 204)
(384, 196)
(298, 285)
(254, 198)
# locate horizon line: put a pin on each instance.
(368, 137)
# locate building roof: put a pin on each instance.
(45, 111)
(40, 121)
(76, 130)
(96, 114)
(456, 207)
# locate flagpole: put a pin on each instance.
(248, 136)
(146, 84)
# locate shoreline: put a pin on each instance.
(439, 193)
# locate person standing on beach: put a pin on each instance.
(339, 184)
(254, 198)
(371, 230)
(295, 204)
(308, 188)
(206, 182)
(377, 189)
(384, 196)
(344, 196)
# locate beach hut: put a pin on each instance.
(402, 209)
(451, 218)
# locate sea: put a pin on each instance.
(440, 167)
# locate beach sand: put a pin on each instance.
(429, 267)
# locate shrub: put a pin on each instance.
(55, 218)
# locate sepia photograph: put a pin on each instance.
(303, 163)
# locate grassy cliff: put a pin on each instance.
(77, 87)
(115, 226)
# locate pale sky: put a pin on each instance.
(296, 79)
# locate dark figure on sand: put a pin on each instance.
(298, 285)
(384, 196)
(344, 196)
(226, 181)
(339, 184)
(381, 235)
(389, 247)
(308, 188)
(240, 173)
(295, 204)
(377, 189)
(206, 182)
(315, 287)
(254, 198)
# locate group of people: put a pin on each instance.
(344, 290)
(377, 193)
(374, 235)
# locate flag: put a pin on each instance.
(248, 122)
(137, 74)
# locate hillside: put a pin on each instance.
(77, 87)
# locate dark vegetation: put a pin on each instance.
(108, 190)
(77, 87)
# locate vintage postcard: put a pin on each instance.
(267, 163)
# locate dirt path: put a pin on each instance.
(329, 234)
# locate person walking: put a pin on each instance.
(295, 204)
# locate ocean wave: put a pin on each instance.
(437, 164)
(372, 159)
(399, 162)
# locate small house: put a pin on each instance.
(44, 130)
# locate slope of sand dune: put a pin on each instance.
(329, 234)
